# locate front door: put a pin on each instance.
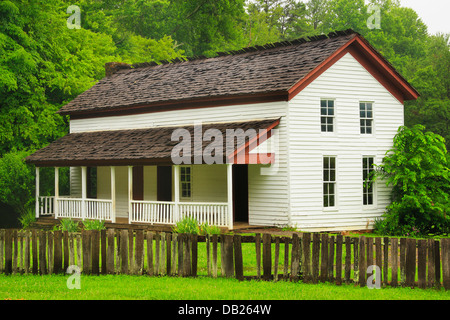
(138, 183)
(240, 192)
(164, 183)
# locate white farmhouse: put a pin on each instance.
(278, 135)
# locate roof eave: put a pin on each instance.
(206, 102)
(374, 63)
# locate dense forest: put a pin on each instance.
(44, 63)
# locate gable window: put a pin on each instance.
(329, 181)
(327, 115)
(186, 182)
(366, 117)
(367, 167)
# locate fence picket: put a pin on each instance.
(238, 260)
(2, 248)
(34, 252)
(57, 252)
(362, 261)
(348, 259)
(43, 252)
(306, 257)
(410, 262)
(150, 253)
(422, 263)
(286, 258)
(315, 258)
(324, 258)
(394, 257)
(110, 253)
(8, 251)
(445, 249)
(267, 256)
(295, 257)
(277, 258)
(339, 240)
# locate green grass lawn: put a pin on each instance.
(124, 287)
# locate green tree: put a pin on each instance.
(417, 169)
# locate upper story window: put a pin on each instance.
(186, 182)
(327, 115)
(366, 117)
(329, 181)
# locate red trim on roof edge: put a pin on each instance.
(242, 154)
(372, 61)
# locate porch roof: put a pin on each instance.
(150, 146)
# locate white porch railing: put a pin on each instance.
(69, 208)
(153, 212)
(96, 209)
(212, 213)
(46, 205)
(159, 212)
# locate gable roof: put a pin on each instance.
(274, 72)
(150, 146)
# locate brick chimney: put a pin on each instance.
(113, 67)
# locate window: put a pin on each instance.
(366, 117)
(329, 181)
(327, 115)
(367, 165)
(186, 182)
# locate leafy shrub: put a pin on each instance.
(191, 225)
(68, 225)
(417, 169)
(206, 229)
(27, 219)
(94, 225)
(187, 225)
(17, 182)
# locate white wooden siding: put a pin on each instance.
(348, 83)
(269, 196)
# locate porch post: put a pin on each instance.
(130, 193)
(55, 205)
(113, 194)
(176, 181)
(37, 192)
(83, 191)
(230, 194)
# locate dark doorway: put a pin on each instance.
(164, 183)
(240, 192)
(138, 183)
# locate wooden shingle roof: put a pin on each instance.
(133, 147)
(263, 70)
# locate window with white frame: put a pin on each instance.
(186, 182)
(329, 181)
(366, 117)
(327, 115)
(368, 192)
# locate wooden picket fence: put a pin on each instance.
(307, 257)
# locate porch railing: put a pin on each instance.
(159, 212)
(153, 212)
(77, 208)
(212, 213)
(46, 205)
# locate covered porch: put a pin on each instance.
(167, 212)
(140, 180)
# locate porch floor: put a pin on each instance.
(48, 222)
